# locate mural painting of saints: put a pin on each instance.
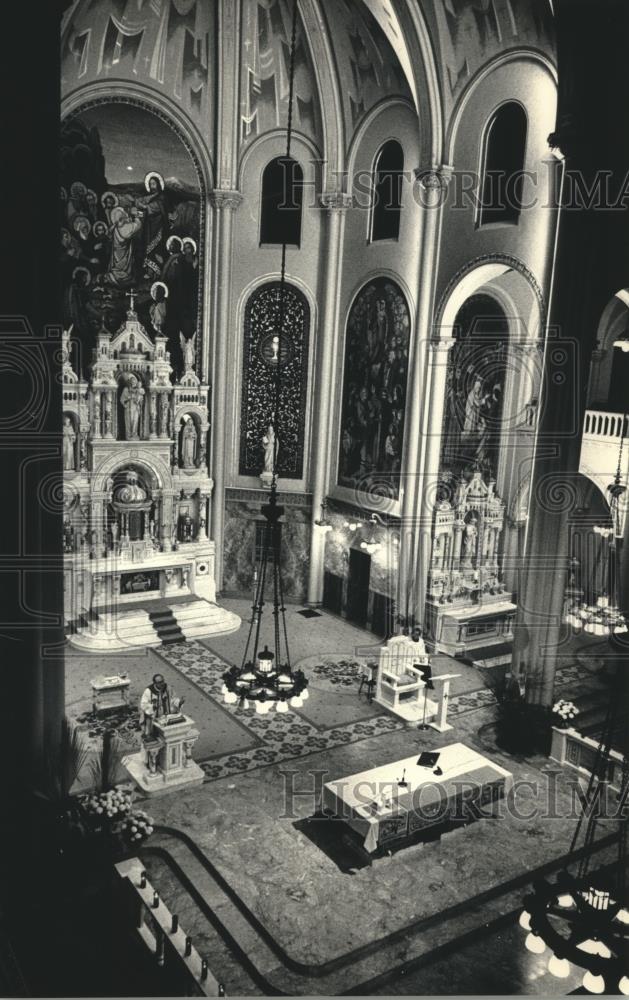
(131, 215)
(374, 395)
(154, 224)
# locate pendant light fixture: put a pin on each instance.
(265, 678)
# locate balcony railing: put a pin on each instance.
(600, 424)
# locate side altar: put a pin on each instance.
(136, 481)
(468, 606)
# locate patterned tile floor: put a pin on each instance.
(285, 737)
(333, 716)
(293, 734)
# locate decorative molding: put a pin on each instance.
(336, 201)
(514, 263)
(226, 198)
(238, 495)
(434, 178)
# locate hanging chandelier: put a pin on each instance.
(265, 678)
(582, 919)
(604, 618)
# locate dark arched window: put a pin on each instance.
(503, 163)
(282, 197)
(387, 202)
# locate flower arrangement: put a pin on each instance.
(137, 826)
(566, 711)
(111, 805)
(112, 811)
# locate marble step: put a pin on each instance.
(224, 964)
(198, 609)
(135, 628)
(369, 966)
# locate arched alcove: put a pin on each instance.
(281, 202)
(266, 347)
(377, 342)
(387, 192)
(503, 160)
(133, 219)
(475, 388)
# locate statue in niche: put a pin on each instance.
(188, 444)
(114, 534)
(473, 405)
(470, 540)
(131, 399)
(69, 438)
(271, 445)
(189, 351)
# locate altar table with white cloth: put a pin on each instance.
(380, 811)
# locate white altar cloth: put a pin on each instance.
(379, 810)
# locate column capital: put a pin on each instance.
(440, 344)
(436, 178)
(335, 201)
(226, 198)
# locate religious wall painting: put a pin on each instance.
(165, 44)
(368, 66)
(267, 26)
(267, 350)
(475, 387)
(374, 389)
(131, 224)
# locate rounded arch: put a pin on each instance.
(264, 348)
(387, 173)
(471, 278)
(427, 89)
(302, 147)
(366, 124)
(609, 367)
(281, 202)
(157, 470)
(502, 157)
(96, 94)
(324, 68)
(458, 115)
(374, 388)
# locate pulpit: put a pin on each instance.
(442, 692)
(165, 761)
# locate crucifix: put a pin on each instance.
(131, 296)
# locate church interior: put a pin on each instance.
(317, 458)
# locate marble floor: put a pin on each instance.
(245, 844)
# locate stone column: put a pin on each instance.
(428, 480)
(432, 191)
(108, 401)
(152, 414)
(586, 275)
(166, 523)
(96, 426)
(335, 205)
(96, 522)
(225, 204)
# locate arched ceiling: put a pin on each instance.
(374, 49)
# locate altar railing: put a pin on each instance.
(577, 753)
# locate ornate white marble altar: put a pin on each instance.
(136, 480)
(468, 605)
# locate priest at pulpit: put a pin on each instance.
(157, 702)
